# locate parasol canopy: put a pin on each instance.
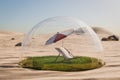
(58, 36)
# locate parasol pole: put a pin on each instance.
(62, 43)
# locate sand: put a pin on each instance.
(10, 56)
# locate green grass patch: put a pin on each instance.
(48, 63)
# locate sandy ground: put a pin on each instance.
(10, 56)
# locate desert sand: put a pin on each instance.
(10, 56)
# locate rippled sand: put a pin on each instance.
(10, 70)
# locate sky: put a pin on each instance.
(22, 15)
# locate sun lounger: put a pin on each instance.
(65, 53)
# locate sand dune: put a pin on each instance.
(7, 33)
(100, 30)
(10, 70)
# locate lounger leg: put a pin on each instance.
(63, 60)
(57, 58)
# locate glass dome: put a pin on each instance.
(77, 37)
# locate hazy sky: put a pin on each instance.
(22, 15)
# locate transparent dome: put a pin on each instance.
(77, 37)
